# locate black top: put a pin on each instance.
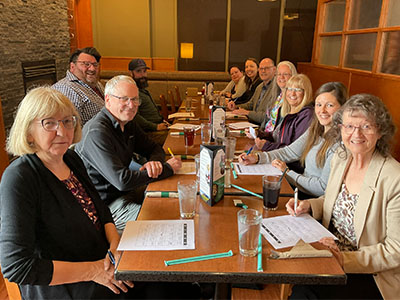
(107, 152)
(249, 92)
(42, 221)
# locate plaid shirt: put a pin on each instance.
(87, 102)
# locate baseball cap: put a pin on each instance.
(137, 63)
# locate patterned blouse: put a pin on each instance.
(272, 114)
(72, 183)
(342, 222)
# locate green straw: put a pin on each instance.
(162, 194)
(197, 258)
(247, 191)
(233, 171)
(259, 255)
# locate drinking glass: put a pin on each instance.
(249, 222)
(188, 134)
(271, 190)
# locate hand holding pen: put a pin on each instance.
(303, 207)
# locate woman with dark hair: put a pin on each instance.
(314, 148)
(236, 87)
(251, 79)
(361, 205)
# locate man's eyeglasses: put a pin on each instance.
(87, 64)
(266, 68)
(50, 124)
(297, 90)
(365, 128)
(126, 100)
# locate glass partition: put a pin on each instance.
(360, 51)
(334, 15)
(365, 14)
(391, 57)
(330, 50)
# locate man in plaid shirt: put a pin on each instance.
(81, 83)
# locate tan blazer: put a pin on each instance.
(376, 220)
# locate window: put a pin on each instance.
(359, 34)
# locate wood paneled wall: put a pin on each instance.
(3, 154)
(109, 63)
(386, 87)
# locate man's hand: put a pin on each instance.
(231, 105)
(175, 163)
(154, 168)
(162, 126)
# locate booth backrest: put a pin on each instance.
(162, 82)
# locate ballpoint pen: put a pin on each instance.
(170, 152)
(296, 199)
(111, 257)
(249, 151)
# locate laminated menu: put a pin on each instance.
(217, 122)
(212, 173)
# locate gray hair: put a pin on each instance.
(375, 110)
(113, 82)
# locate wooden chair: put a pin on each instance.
(172, 101)
(164, 107)
(178, 96)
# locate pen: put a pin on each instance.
(249, 151)
(296, 199)
(170, 152)
(111, 257)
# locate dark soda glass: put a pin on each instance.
(271, 197)
(189, 136)
(271, 190)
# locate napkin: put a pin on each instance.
(300, 250)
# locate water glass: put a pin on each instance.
(187, 193)
(249, 223)
(205, 133)
(230, 145)
(271, 190)
(188, 103)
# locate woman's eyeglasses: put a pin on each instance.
(50, 124)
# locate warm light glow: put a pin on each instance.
(186, 50)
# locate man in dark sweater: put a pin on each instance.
(108, 142)
(148, 116)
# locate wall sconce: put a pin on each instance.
(186, 50)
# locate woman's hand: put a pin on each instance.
(279, 164)
(103, 273)
(330, 243)
(250, 159)
(303, 207)
(247, 132)
(260, 143)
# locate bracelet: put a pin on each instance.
(258, 158)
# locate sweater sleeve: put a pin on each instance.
(96, 150)
(145, 124)
(299, 126)
(314, 184)
(240, 88)
(19, 196)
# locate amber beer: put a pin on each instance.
(188, 133)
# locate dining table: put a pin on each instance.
(216, 231)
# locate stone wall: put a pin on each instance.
(30, 30)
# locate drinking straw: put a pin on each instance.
(233, 171)
(259, 255)
(162, 194)
(184, 156)
(247, 191)
(177, 133)
(283, 174)
(197, 258)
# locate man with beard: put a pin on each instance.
(148, 116)
(81, 83)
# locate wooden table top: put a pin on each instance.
(216, 232)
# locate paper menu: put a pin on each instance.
(257, 169)
(286, 231)
(158, 235)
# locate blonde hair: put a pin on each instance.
(40, 103)
(290, 65)
(298, 81)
